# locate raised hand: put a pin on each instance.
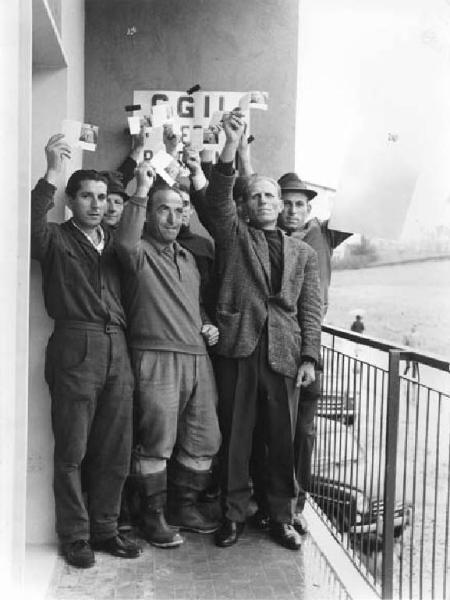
(145, 176)
(191, 159)
(170, 140)
(233, 126)
(56, 151)
(137, 144)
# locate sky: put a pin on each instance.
(363, 62)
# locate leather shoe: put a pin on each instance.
(285, 534)
(300, 524)
(118, 546)
(228, 533)
(79, 554)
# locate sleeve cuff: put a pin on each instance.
(226, 168)
(139, 201)
(199, 181)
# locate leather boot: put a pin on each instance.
(184, 488)
(153, 524)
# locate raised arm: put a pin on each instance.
(243, 154)
(309, 310)
(129, 165)
(57, 151)
(220, 208)
(128, 236)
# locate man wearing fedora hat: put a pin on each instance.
(295, 220)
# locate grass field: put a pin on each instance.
(395, 298)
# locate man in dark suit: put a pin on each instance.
(268, 314)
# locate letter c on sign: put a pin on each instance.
(184, 107)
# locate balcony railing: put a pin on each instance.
(381, 467)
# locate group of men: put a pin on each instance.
(220, 352)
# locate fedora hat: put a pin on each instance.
(291, 182)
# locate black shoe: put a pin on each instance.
(229, 533)
(285, 534)
(118, 546)
(79, 554)
(260, 520)
(300, 524)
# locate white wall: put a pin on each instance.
(58, 93)
(15, 82)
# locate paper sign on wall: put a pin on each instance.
(189, 111)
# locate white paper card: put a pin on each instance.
(254, 99)
(161, 114)
(134, 123)
(80, 135)
(162, 162)
(197, 138)
(153, 139)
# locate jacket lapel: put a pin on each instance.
(288, 259)
(262, 251)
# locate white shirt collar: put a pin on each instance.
(101, 245)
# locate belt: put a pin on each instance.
(86, 325)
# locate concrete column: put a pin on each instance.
(15, 77)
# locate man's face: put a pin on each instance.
(187, 209)
(296, 209)
(164, 216)
(89, 204)
(114, 210)
(263, 205)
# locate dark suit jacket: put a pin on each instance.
(245, 300)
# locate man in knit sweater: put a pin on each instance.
(175, 389)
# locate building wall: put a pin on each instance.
(57, 94)
(223, 45)
(15, 83)
(227, 45)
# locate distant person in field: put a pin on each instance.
(358, 325)
(412, 339)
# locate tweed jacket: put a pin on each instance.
(245, 299)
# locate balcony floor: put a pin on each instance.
(255, 568)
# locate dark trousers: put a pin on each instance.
(305, 436)
(250, 392)
(91, 384)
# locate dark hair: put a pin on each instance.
(73, 185)
(161, 185)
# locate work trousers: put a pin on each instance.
(91, 385)
(250, 392)
(305, 436)
(176, 404)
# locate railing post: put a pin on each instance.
(390, 471)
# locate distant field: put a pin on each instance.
(396, 297)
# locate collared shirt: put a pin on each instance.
(101, 234)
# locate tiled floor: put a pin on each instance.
(255, 568)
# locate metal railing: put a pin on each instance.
(381, 465)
